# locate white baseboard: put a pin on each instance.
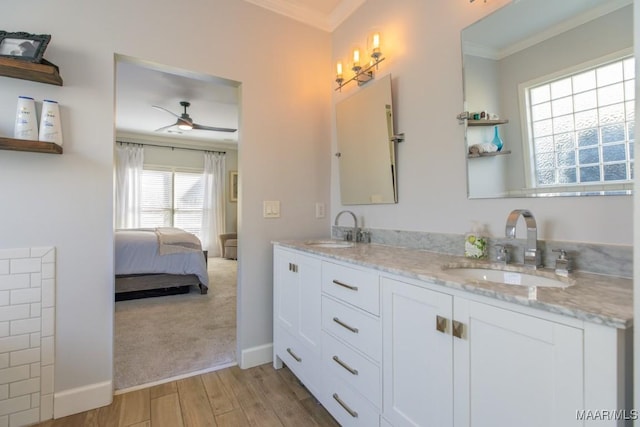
(82, 399)
(255, 356)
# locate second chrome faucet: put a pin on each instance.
(532, 255)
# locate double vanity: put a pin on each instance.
(392, 336)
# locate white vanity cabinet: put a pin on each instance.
(297, 331)
(351, 344)
(453, 361)
(381, 349)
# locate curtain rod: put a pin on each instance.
(172, 147)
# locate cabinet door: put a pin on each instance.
(417, 357)
(297, 296)
(512, 369)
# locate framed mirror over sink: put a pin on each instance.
(555, 81)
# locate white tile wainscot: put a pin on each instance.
(27, 315)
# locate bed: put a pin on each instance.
(158, 261)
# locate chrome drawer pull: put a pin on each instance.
(298, 359)
(344, 285)
(345, 366)
(344, 325)
(351, 412)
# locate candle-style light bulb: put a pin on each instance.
(339, 69)
(375, 46)
(356, 61)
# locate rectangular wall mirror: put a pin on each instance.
(555, 79)
(366, 149)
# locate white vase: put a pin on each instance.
(50, 129)
(26, 126)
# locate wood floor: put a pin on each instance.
(259, 396)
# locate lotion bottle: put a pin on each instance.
(26, 126)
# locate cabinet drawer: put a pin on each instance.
(346, 405)
(345, 363)
(299, 358)
(357, 287)
(360, 330)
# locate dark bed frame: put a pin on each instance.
(135, 286)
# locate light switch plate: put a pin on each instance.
(320, 210)
(271, 209)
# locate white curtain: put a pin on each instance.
(213, 212)
(129, 163)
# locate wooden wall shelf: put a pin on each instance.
(45, 72)
(33, 146)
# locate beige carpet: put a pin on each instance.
(163, 337)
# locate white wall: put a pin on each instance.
(66, 201)
(421, 41)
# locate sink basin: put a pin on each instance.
(507, 277)
(329, 243)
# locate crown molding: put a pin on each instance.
(325, 22)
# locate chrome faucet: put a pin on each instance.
(532, 255)
(352, 235)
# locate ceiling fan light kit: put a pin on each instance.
(184, 121)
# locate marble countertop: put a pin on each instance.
(605, 300)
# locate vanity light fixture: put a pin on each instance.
(362, 74)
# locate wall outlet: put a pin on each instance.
(320, 210)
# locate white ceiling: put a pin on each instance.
(214, 101)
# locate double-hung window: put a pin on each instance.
(581, 127)
(172, 198)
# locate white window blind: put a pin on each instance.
(172, 199)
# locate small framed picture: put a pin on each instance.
(23, 46)
(233, 186)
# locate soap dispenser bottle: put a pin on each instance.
(475, 244)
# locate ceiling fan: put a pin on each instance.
(185, 122)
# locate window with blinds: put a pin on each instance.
(172, 199)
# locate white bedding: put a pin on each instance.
(137, 252)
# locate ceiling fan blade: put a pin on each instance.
(167, 127)
(157, 107)
(202, 127)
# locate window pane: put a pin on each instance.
(544, 144)
(589, 155)
(586, 119)
(584, 81)
(614, 133)
(611, 94)
(609, 74)
(629, 90)
(563, 124)
(630, 109)
(584, 101)
(629, 68)
(613, 153)
(590, 174)
(546, 177)
(541, 111)
(587, 137)
(567, 176)
(562, 106)
(611, 114)
(560, 88)
(544, 161)
(564, 142)
(188, 201)
(567, 158)
(540, 94)
(542, 128)
(617, 172)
